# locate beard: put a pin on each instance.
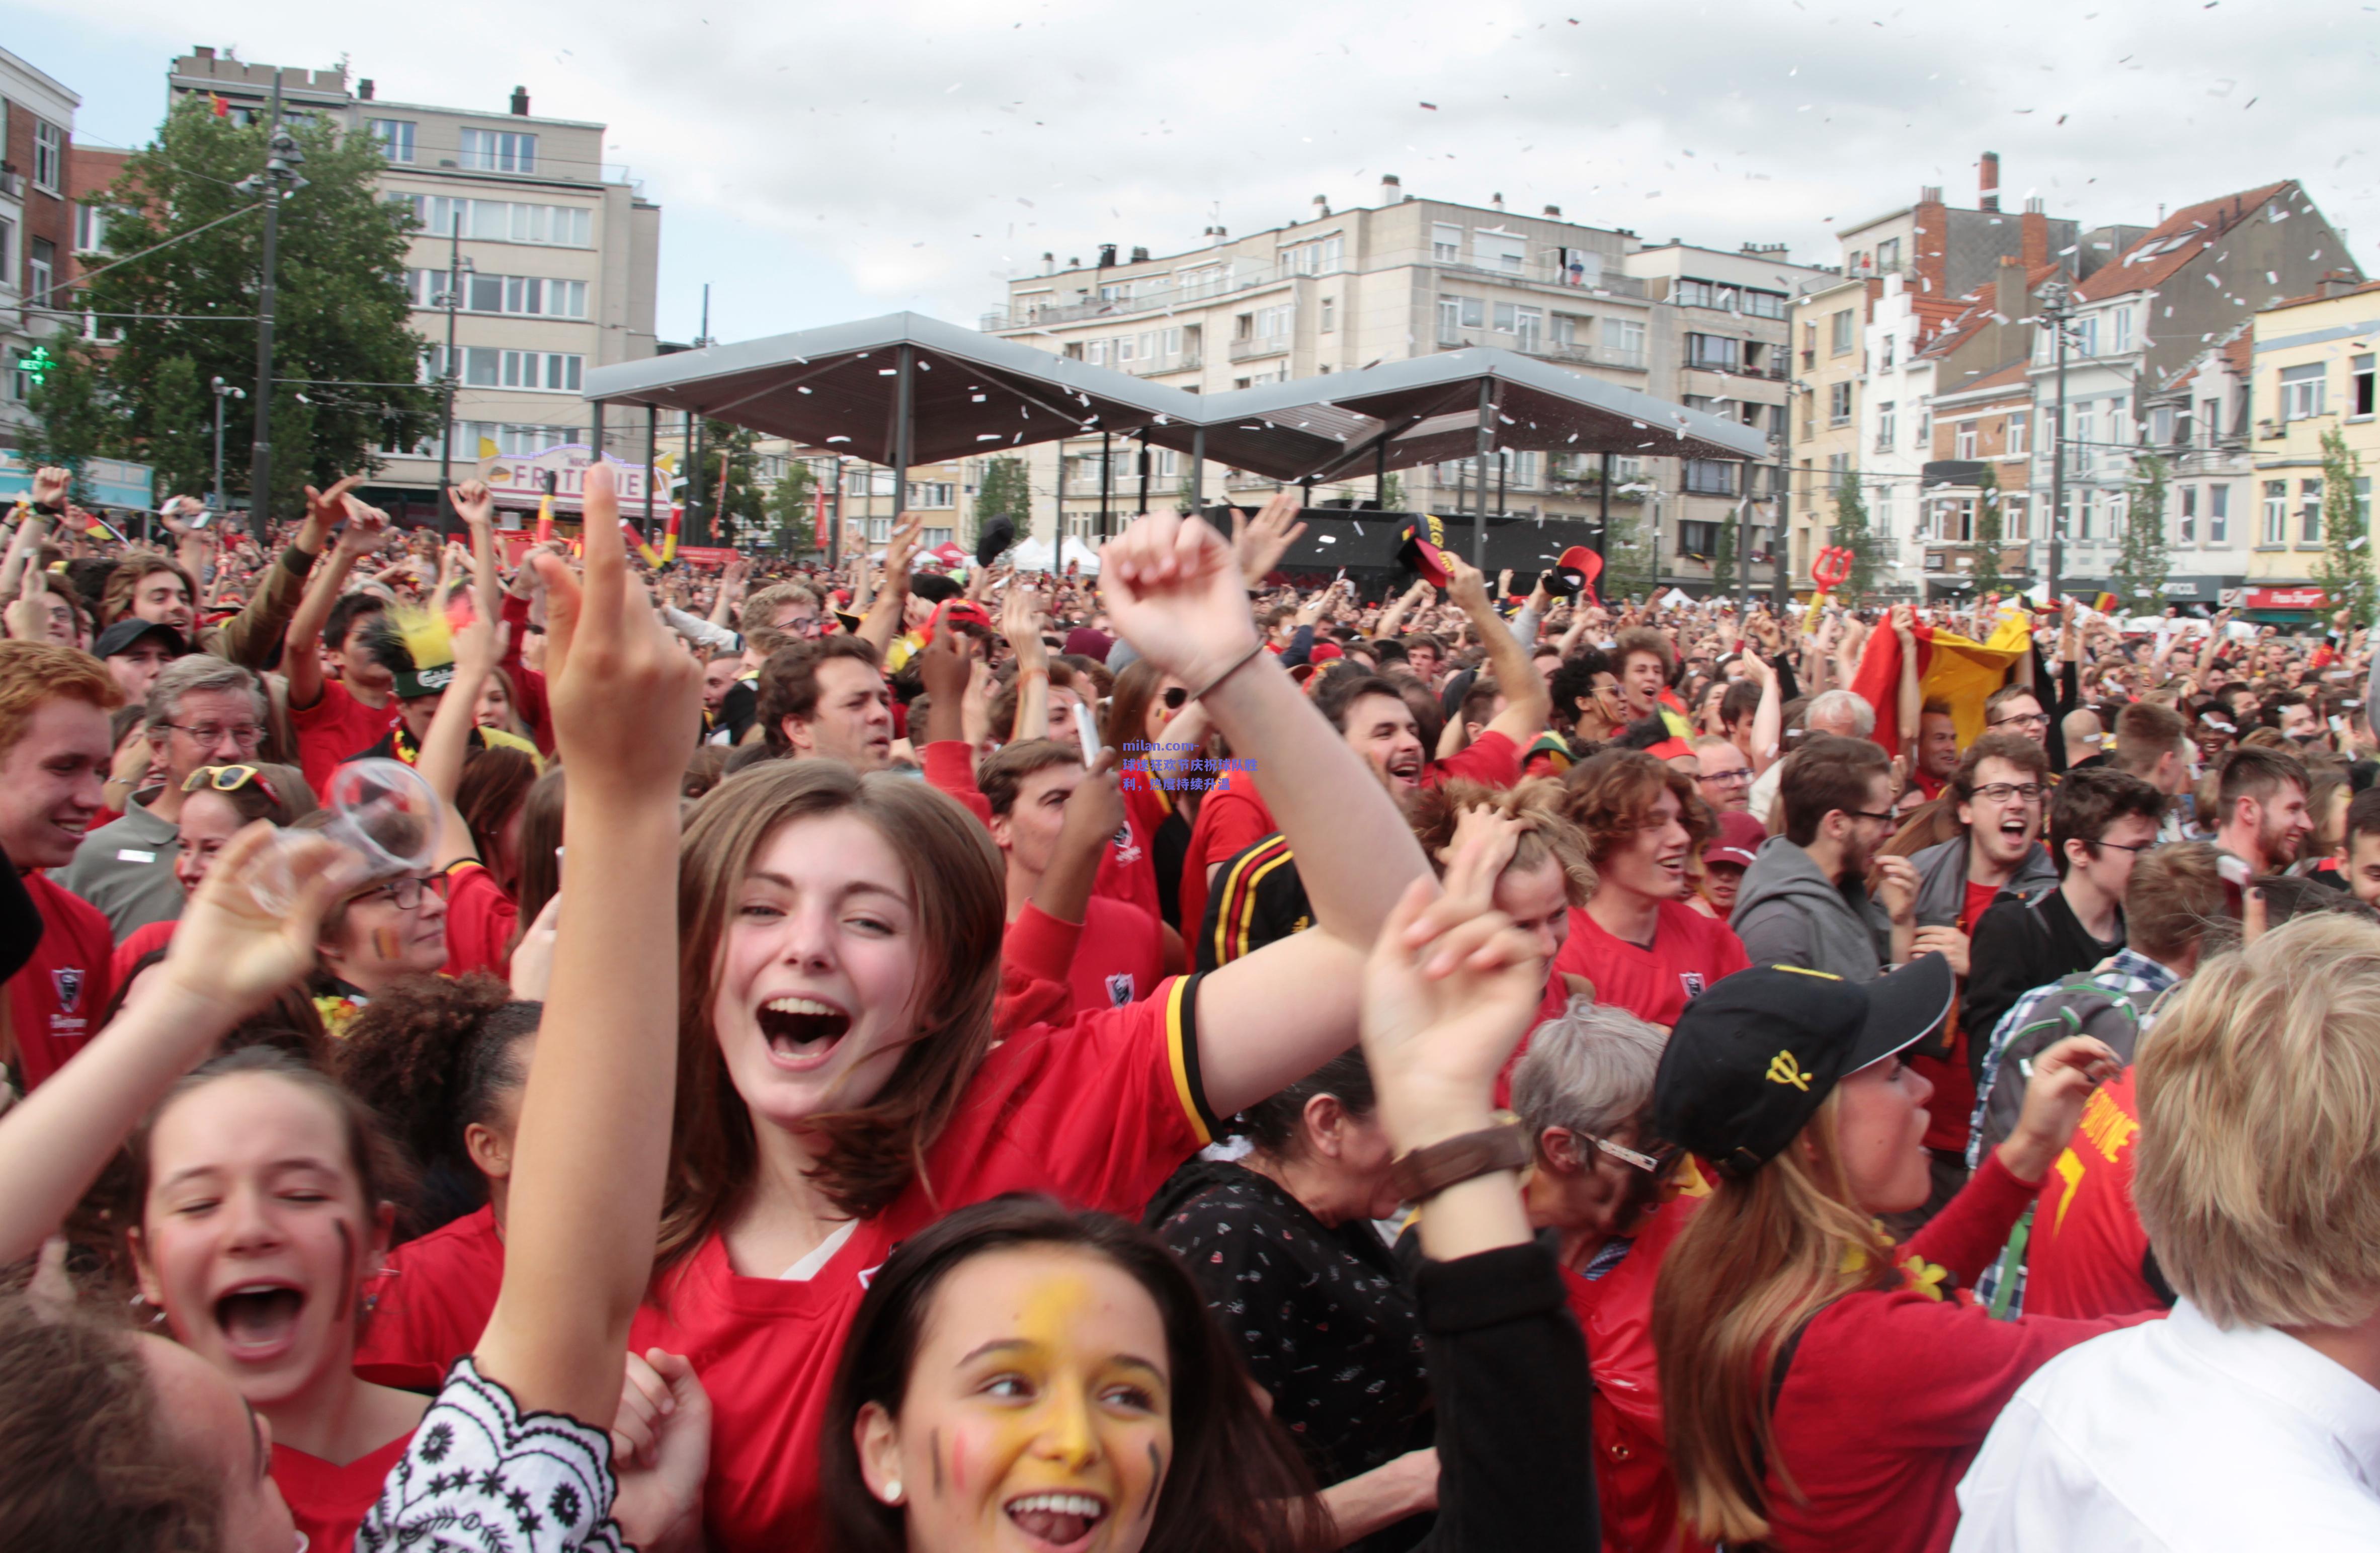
(2280, 849)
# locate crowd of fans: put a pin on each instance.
(1189, 1057)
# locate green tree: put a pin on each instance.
(1852, 533)
(1393, 493)
(1004, 491)
(2346, 569)
(1627, 558)
(75, 420)
(1723, 558)
(2140, 559)
(1985, 568)
(738, 516)
(342, 318)
(791, 515)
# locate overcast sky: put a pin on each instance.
(817, 162)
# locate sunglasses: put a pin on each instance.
(229, 779)
(1657, 1165)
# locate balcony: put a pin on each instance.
(1260, 347)
(1587, 355)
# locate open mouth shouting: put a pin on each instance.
(258, 1319)
(1056, 1520)
(1405, 767)
(802, 1033)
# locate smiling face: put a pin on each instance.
(1037, 1416)
(2002, 828)
(137, 667)
(819, 980)
(494, 708)
(1937, 745)
(1382, 729)
(1651, 861)
(388, 932)
(163, 600)
(51, 781)
(1880, 1122)
(255, 1234)
(208, 821)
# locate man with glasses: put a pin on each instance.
(1805, 900)
(2100, 821)
(2014, 709)
(1724, 780)
(201, 711)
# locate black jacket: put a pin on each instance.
(2016, 948)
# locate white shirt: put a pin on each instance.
(2179, 1435)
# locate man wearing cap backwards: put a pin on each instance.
(1804, 901)
(136, 652)
(201, 711)
(1798, 1345)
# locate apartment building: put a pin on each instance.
(2311, 372)
(548, 254)
(36, 224)
(1407, 276)
(1829, 326)
(2197, 420)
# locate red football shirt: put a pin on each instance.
(1232, 817)
(1689, 951)
(1491, 758)
(329, 1502)
(1952, 1106)
(136, 948)
(1121, 958)
(335, 729)
(55, 1001)
(429, 1302)
(1097, 1113)
(479, 920)
(2088, 1251)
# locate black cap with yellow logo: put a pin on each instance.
(1752, 1058)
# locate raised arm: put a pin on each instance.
(593, 1140)
(1394, 615)
(1526, 698)
(1277, 1014)
(1020, 622)
(1909, 705)
(448, 742)
(301, 659)
(882, 622)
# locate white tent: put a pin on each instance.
(1038, 554)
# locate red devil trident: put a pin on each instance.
(1833, 564)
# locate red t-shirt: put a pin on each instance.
(1491, 757)
(1634, 1490)
(479, 920)
(429, 1302)
(329, 1502)
(54, 1002)
(1232, 817)
(2088, 1251)
(136, 948)
(1952, 1107)
(1097, 1113)
(335, 729)
(1120, 959)
(1127, 869)
(1689, 951)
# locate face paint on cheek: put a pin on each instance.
(346, 1309)
(384, 940)
(1155, 1481)
(934, 1449)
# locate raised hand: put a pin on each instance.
(1171, 589)
(324, 511)
(231, 953)
(2061, 1081)
(474, 503)
(1444, 1004)
(1258, 545)
(50, 485)
(1020, 626)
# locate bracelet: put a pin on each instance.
(1423, 1173)
(1241, 661)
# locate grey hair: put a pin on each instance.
(1840, 703)
(1589, 1070)
(196, 672)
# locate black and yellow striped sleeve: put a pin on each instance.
(1181, 1016)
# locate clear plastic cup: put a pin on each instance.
(380, 813)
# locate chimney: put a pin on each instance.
(1107, 256)
(203, 51)
(1220, 236)
(1929, 194)
(2338, 283)
(520, 101)
(1140, 256)
(1392, 190)
(1554, 213)
(1048, 263)
(1930, 246)
(1321, 206)
(1988, 182)
(1496, 201)
(2034, 236)
(364, 89)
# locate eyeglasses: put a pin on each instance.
(1887, 816)
(247, 735)
(2001, 792)
(2119, 846)
(1656, 1165)
(2023, 720)
(1175, 695)
(404, 894)
(229, 779)
(1736, 778)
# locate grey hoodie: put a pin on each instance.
(1788, 913)
(1942, 881)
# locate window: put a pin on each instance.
(1449, 320)
(1497, 250)
(501, 221)
(2161, 426)
(2085, 431)
(545, 370)
(499, 151)
(2121, 428)
(1711, 477)
(2087, 510)
(1329, 314)
(49, 156)
(2301, 391)
(1839, 333)
(1315, 259)
(2185, 521)
(1528, 329)
(2020, 432)
(1275, 322)
(1571, 330)
(2016, 519)
(1446, 243)
(1838, 403)
(1884, 355)
(2309, 512)
(41, 271)
(2122, 319)
(523, 296)
(90, 228)
(2277, 512)
(1763, 304)
(2360, 379)
(2086, 335)
(1520, 469)
(1888, 253)
(394, 136)
(2363, 502)
(1504, 316)
(2210, 420)
(7, 248)
(2218, 514)
(932, 494)
(1699, 538)
(1887, 427)
(1922, 434)
(1692, 294)
(1964, 441)
(1623, 341)
(1714, 353)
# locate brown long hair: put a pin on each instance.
(955, 878)
(540, 877)
(1765, 1254)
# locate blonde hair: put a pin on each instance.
(1765, 1254)
(1546, 832)
(34, 673)
(2257, 1174)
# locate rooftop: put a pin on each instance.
(2179, 239)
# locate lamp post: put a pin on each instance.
(275, 183)
(222, 390)
(2056, 309)
(457, 266)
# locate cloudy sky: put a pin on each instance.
(825, 162)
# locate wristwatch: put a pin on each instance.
(1423, 1173)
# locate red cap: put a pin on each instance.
(958, 613)
(1738, 839)
(1325, 652)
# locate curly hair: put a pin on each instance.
(1612, 795)
(1435, 812)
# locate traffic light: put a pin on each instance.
(36, 364)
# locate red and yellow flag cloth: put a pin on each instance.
(1949, 668)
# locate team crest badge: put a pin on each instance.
(1692, 981)
(68, 979)
(1120, 989)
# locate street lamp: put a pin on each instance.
(2056, 309)
(275, 183)
(457, 266)
(224, 391)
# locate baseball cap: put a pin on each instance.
(1576, 570)
(1738, 839)
(1420, 548)
(934, 587)
(1750, 1061)
(120, 637)
(959, 614)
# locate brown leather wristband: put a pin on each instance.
(1425, 1172)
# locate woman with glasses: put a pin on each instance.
(217, 802)
(1605, 1184)
(377, 935)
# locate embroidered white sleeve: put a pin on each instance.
(480, 1476)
